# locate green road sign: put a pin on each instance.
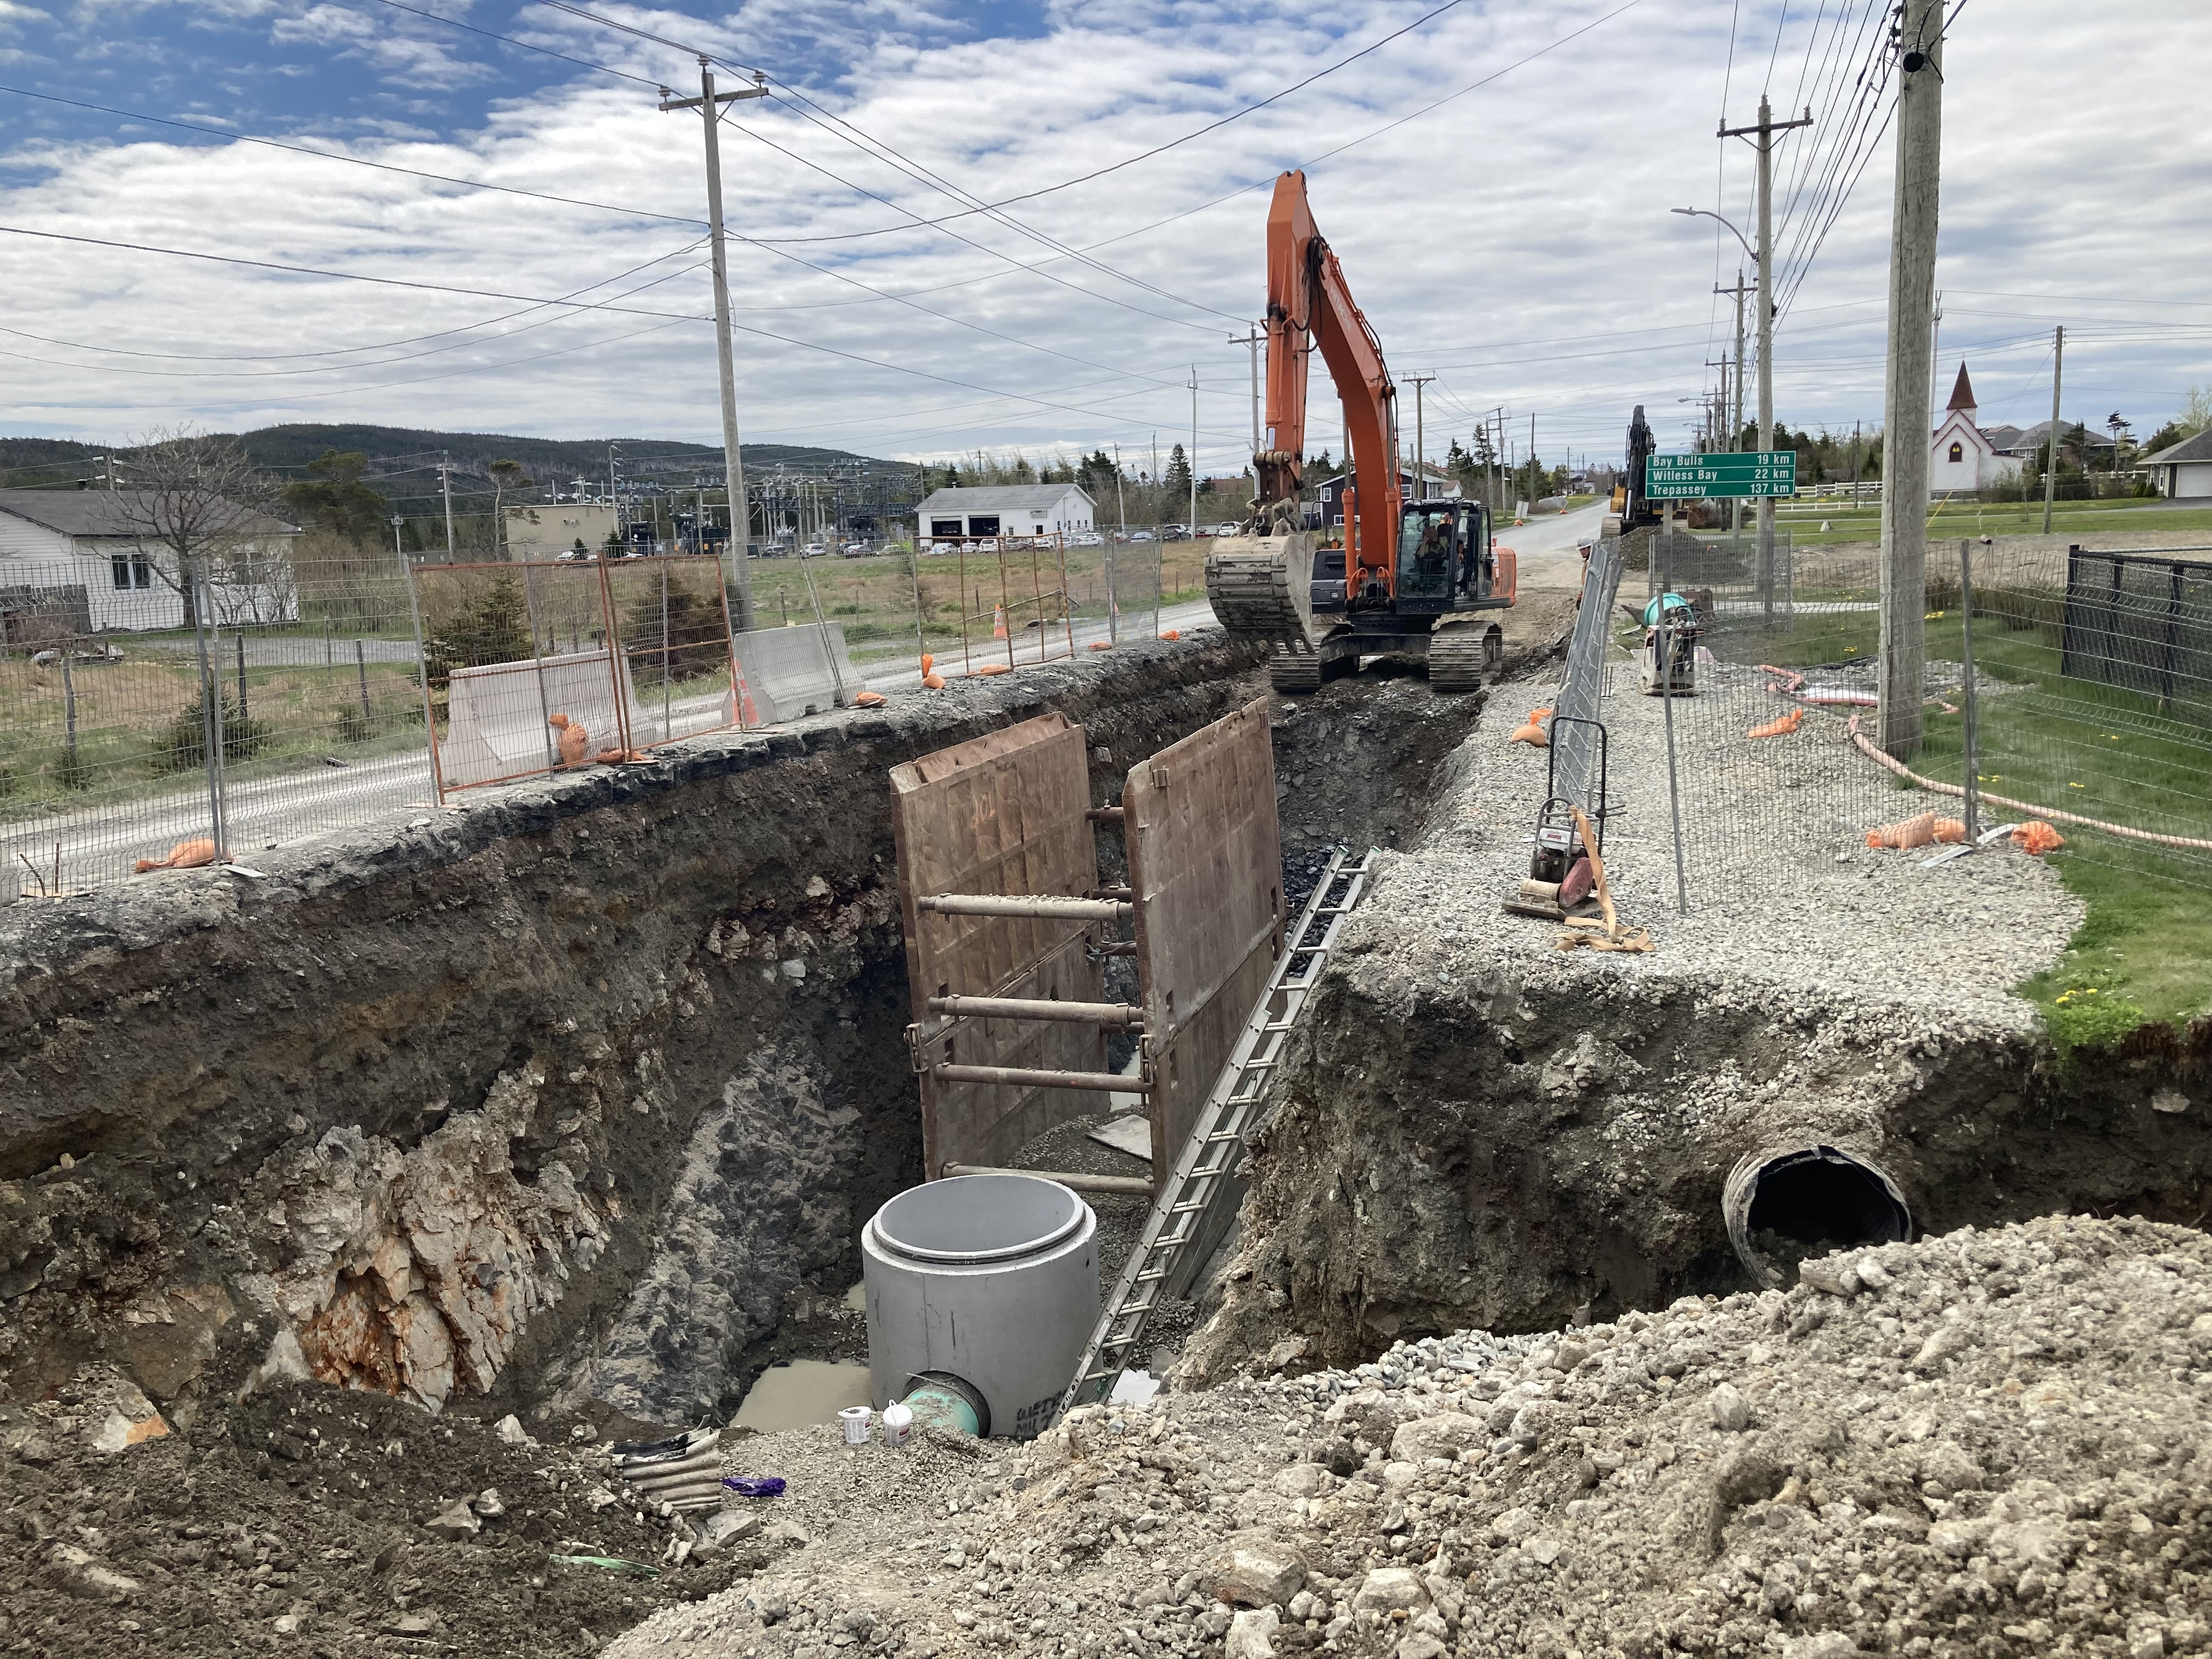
(1707, 477)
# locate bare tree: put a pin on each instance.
(197, 504)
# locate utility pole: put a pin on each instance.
(2051, 448)
(1193, 468)
(1735, 420)
(1121, 502)
(1765, 131)
(709, 104)
(445, 478)
(1902, 674)
(1420, 441)
(1252, 337)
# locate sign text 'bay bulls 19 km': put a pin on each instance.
(1718, 477)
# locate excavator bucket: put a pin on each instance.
(1261, 587)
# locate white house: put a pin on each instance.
(1005, 510)
(1961, 458)
(2183, 472)
(84, 555)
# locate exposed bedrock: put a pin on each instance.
(554, 1096)
(1476, 1131)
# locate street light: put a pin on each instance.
(1706, 213)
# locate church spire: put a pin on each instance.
(1962, 395)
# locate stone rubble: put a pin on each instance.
(1987, 1443)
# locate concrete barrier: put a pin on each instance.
(794, 671)
(496, 724)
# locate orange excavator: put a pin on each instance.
(1409, 576)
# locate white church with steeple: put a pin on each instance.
(1961, 458)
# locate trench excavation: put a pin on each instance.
(576, 1106)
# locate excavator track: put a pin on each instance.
(1459, 656)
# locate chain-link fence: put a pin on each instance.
(533, 667)
(990, 603)
(147, 721)
(141, 712)
(2091, 705)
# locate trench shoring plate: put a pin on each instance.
(999, 814)
(1205, 872)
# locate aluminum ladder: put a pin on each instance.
(1194, 1208)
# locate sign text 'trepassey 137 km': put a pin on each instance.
(1699, 477)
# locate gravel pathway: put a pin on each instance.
(1825, 917)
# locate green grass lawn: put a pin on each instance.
(2144, 949)
(1853, 521)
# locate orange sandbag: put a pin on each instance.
(185, 856)
(2037, 837)
(1531, 732)
(928, 662)
(932, 682)
(1172, 633)
(868, 700)
(1780, 726)
(575, 742)
(1904, 834)
(1950, 830)
(617, 757)
(1102, 645)
(992, 668)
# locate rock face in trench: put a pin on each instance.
(551, 1097)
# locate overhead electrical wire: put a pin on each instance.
(625, 311)
(354, 161)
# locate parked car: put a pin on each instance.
(1088, 538)
(1229, 530)
(813, 551)
(1174, 532)
(1142, 536)
(854, 550)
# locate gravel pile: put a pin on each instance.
(1987, 1443)
(1829, 919)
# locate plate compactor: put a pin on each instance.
(1667, 659)
(1562, 880)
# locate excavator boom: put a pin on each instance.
(1310, 304)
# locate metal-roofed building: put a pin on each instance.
(1005, 510)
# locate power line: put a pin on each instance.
(352, 160)
(509, 40)
(627, 310)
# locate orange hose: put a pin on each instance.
(1904, 771)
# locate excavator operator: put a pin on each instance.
(1433, 557)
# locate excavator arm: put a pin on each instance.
(1310, 304)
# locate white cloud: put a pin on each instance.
(1515, 240)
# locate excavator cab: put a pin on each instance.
(1443, 556)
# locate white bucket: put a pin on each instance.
(856, 1420)
(899, 1423)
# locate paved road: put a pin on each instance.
(1546, 546)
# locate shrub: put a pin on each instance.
(183, 747)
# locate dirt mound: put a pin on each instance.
(310, 1518)
(1989, 1443)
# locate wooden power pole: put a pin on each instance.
(1904, 660)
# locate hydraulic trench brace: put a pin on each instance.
(1203, 1183)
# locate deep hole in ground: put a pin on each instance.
(645, 1044)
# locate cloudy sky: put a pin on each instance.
(1002, 224)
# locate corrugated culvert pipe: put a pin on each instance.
(1786, 1203)
(982, 1293)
